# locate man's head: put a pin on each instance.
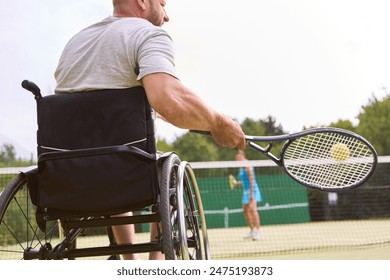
(151, 10)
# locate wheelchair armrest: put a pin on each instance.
(138, 153)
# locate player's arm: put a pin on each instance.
(184, 109)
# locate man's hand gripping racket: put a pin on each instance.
(328, 159)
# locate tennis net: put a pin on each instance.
(293, 218)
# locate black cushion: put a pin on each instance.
(94, 119)
(96, 152)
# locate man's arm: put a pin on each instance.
(184, 109)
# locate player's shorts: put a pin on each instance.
(256, 196)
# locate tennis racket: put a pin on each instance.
(232, 182)
(329, 159)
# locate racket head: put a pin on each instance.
(329, 159)
(232, 181)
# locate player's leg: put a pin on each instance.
(248, 220)
(156, 255)
(255, 220)
(125, 234)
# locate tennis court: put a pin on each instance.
(323, 240)
(296, 241)
(331, 240)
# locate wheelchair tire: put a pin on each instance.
(180, 213)
(198, 213)
(20, 236)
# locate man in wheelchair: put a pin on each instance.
(129, 50)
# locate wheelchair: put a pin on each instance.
(97, 159)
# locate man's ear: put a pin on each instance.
(141, 3)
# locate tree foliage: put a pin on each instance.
(163, 145)
(7, 154)
(8, 157)
(195, 147)
(271, 127)
(344, 124)
(374, 124)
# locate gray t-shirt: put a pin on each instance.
(114, 53)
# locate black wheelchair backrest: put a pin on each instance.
(93, 119)
(96, 152)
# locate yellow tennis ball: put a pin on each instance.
(339, 152)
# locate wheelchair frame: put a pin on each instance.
(178, 212)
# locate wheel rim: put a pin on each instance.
(20, 236)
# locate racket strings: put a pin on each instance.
(310, 159)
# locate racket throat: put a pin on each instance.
(266, 152)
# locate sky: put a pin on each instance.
(305, 62)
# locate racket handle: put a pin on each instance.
(208, 133)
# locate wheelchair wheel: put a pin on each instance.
(197, 206)
(19, 232)
(181, 213)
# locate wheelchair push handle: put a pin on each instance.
(33, 88)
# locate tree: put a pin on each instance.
(7, 154)
(262, 127)
(344, 124)
(252, 127)
(195, 147)
(271, 128)
(374, 123)
(163, 146)
(8, 157)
